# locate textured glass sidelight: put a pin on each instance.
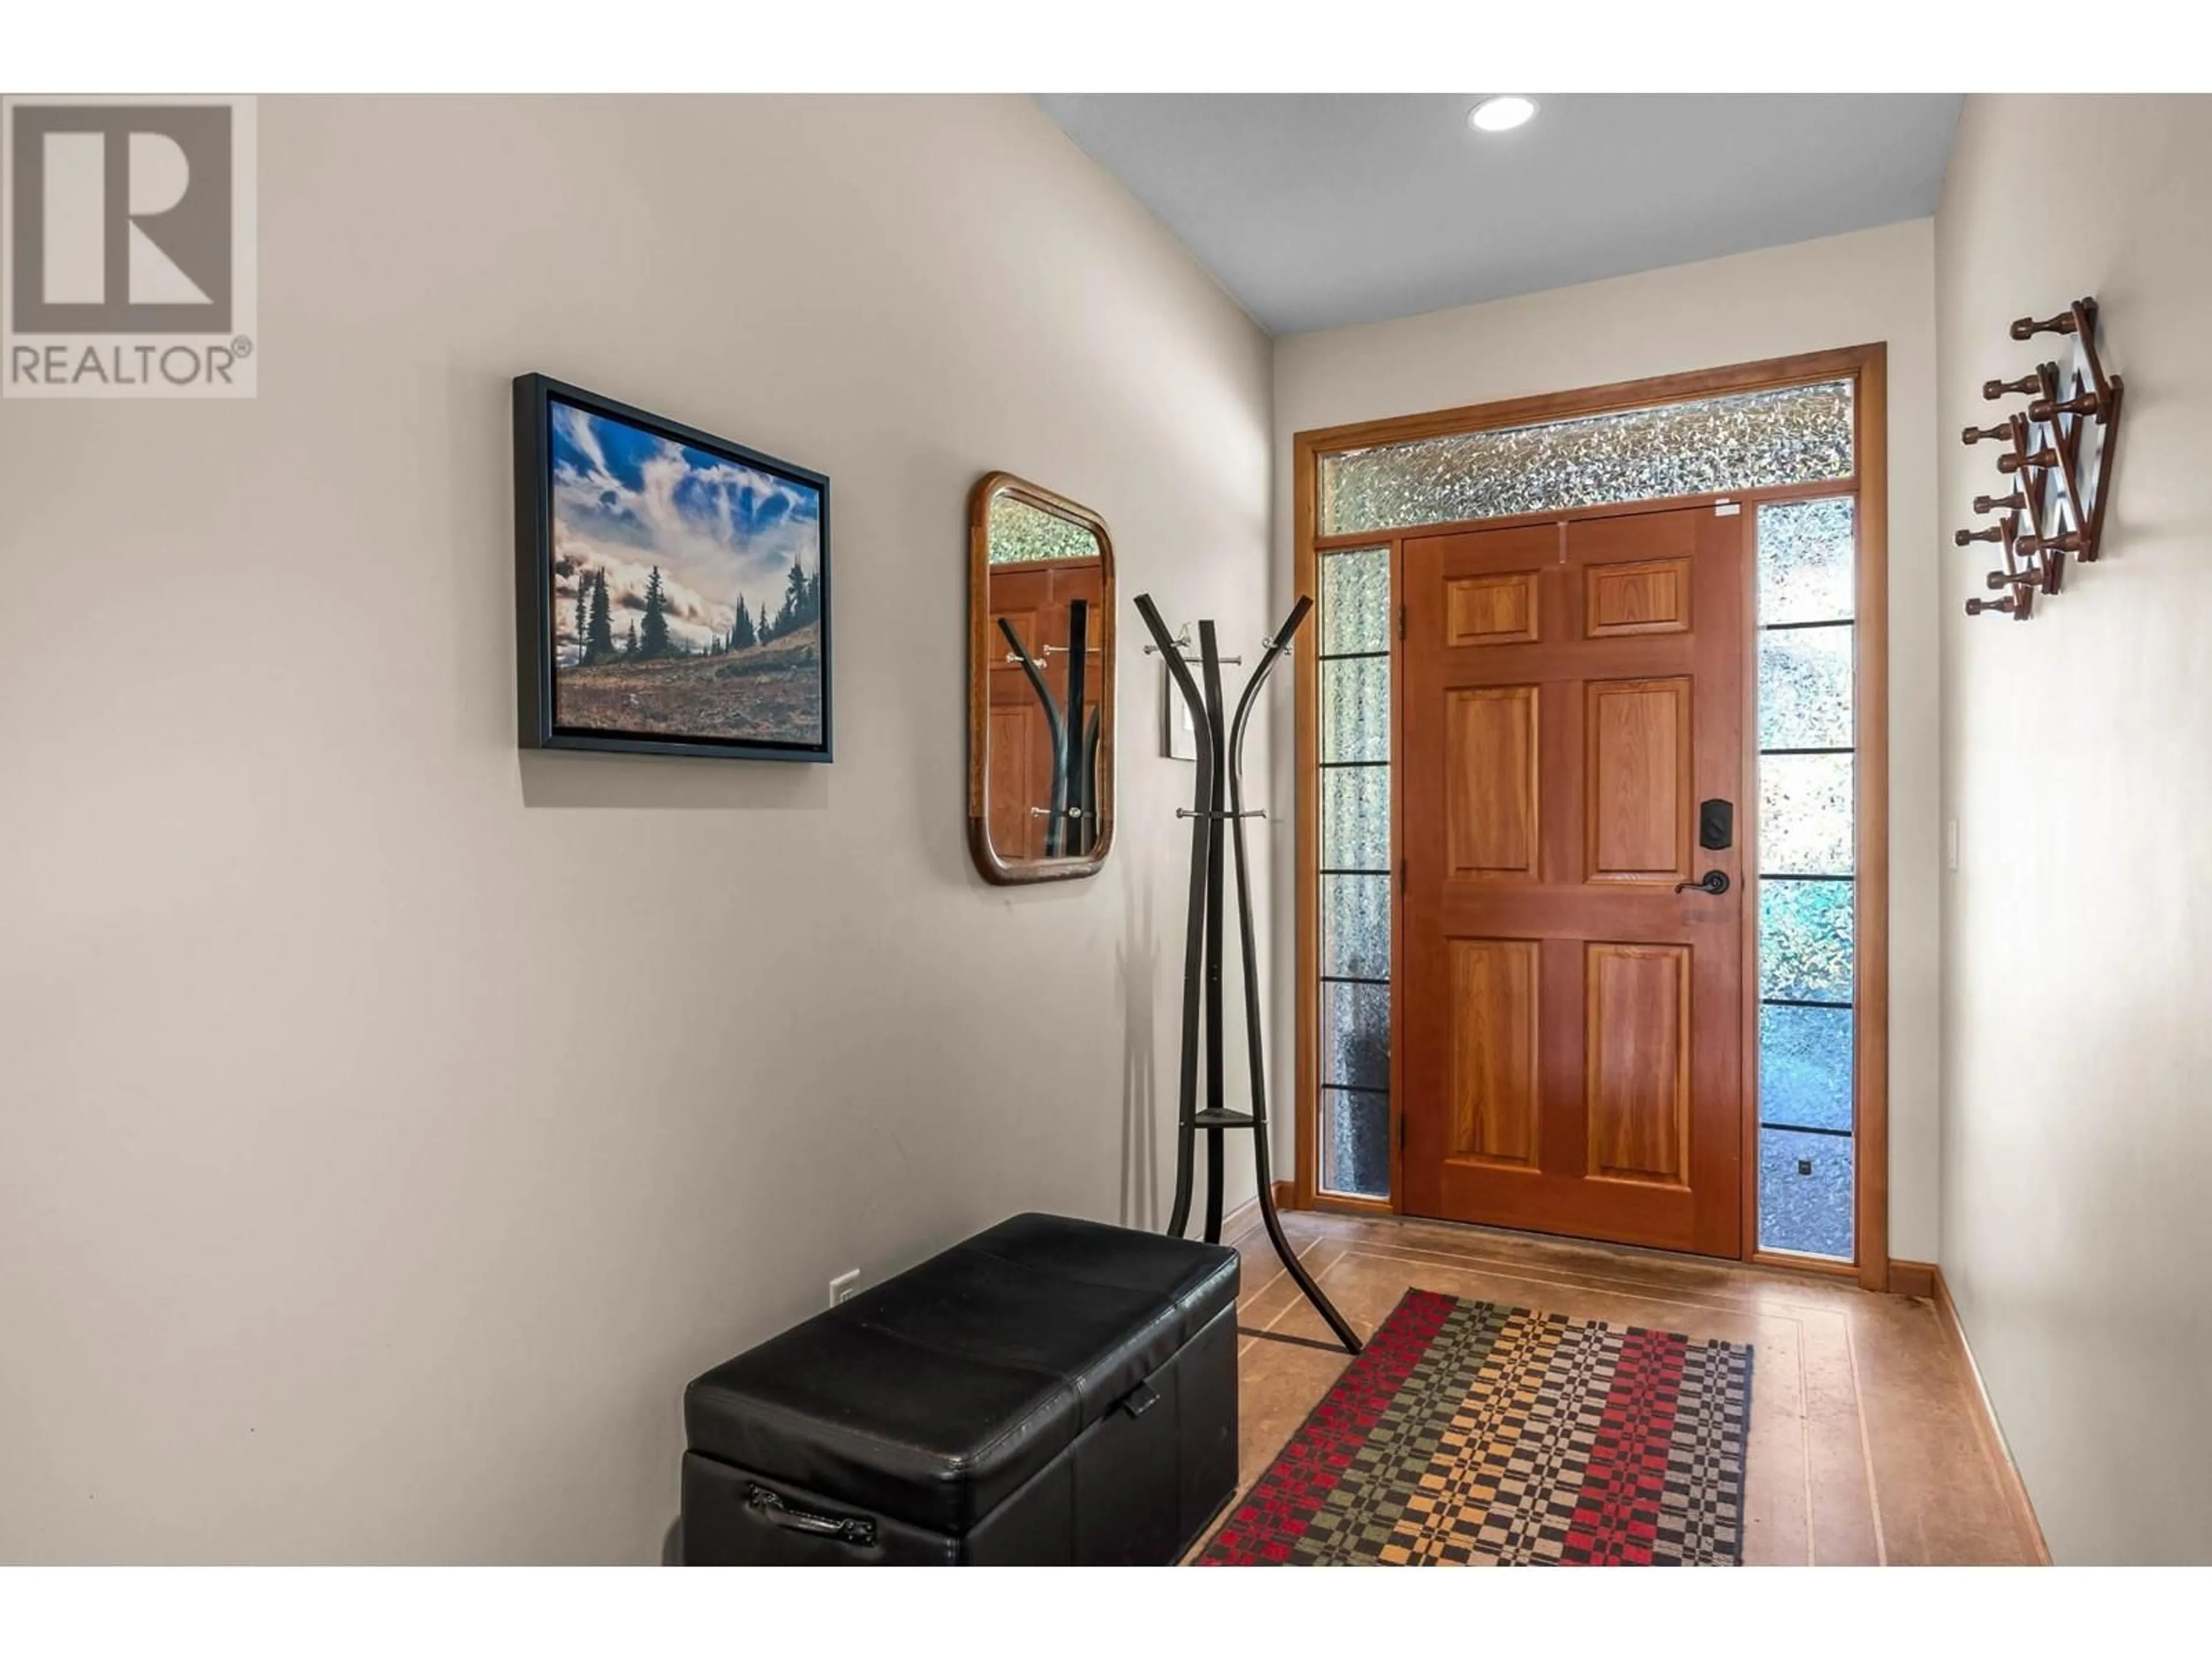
(1355, 708)
(1358, 1020)
(1354, 1016)
(1805, 1193)
(1805, 941)
(1805, 1067)
(1797, 434)
(1805, 816)
(1355, 926)
(1355, 1143)
(1804, 688)
(1808, 826)
(1355, 601)
(1808, 554)
(1355, 818)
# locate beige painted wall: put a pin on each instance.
(1843, 290)
(2078, 762)
(393, 1123)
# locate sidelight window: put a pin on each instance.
(1808, 825)
(1354, 1016)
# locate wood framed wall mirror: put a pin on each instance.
(1040, 683)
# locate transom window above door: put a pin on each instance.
(1794, 435)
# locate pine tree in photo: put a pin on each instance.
(631, 650)
(583, 615)
(652, 632)
(741, 630)
(598, 636)
(793, 614)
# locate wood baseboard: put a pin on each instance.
(1985, 1425)
(1911, 1277)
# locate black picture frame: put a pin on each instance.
(535, 396)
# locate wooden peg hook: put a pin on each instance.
(2026, 328)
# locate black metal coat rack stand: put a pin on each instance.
(1217, 807)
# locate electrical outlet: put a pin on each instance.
(843, 1287)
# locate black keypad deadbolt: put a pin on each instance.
(1716, 824)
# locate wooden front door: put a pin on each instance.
(1572, 1027)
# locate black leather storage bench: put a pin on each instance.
(1052, 1391)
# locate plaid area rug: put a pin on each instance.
(1472, 1433)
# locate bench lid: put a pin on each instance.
(932, 1396)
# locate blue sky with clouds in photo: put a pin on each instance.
(626, 500)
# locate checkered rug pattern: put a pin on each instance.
(1468, 1433)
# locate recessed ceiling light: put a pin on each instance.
(1501, 114)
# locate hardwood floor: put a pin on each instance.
(1865, 1444)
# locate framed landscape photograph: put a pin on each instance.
(672, 588)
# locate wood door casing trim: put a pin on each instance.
(1805, 369)
(1870, 693)
(1305, 812)
(1867, 367)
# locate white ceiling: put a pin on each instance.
(1321, 210)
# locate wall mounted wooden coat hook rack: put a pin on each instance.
(2058, 457)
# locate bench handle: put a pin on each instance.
(845, 1528)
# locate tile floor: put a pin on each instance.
(1864, 1443)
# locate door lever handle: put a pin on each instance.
(1715, 882)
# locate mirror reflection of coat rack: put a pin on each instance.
(1041, 683)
